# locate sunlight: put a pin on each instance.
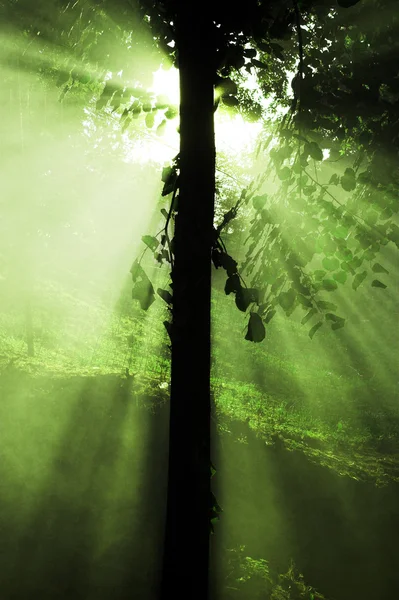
(166, 82)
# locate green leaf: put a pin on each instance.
(377, 268)
(308, 316)
(149, 120)
(284, 173)
(337, 322)
(256, 329)
(329, 285)
(378, 284)
(259, 202)
(150, 241)
(348, 183)
(330, 264)
(230, 101)
(259, 64)
(136, 270)
(358, 279)
(315, 151)
(287, 299)
(306, 302)
(341, 276)
(334, 179)
(326, 305)
(172, 112)
(269, 316)
(144, 293)
(315, 328)
(161, 128)
(319, 274)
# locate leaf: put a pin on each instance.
(306, 302)
(258, 63)
(315, 328)
(144, 293)
(172, 112)
(165, 295)
(308, 316)
(358, 279)
(330, 264)
(341, 276)
(230, 101)
(287, 299)
(379, 284)
(315, 151)
(334, 179)
(256, 330)
(161, 128)
(326, 305)
(258, 202)
(377, 268)
(149, 120)
(245, 297)
(233, 284)
(284, 173)
(150, 241)
(337, 322)
(329, 285)
(136, 270)
(228, 263)
(348, 183)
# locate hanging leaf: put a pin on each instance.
(149, 120)
(245, 297)
(165, 295)
(259, 202)
(341, 276)
(161, 128)
(378, 284)
(136, 270)
(308, 316)
(326, 305)
(150, 241)
(358, 279)
(287, 299)
(233, 284)
(306, 302)
(334, 179)
(315, 151)
(329, 285)
(172, 112)
(315, 328)
(144, 293)
(230, 101)
(330, 264)
(284, 174)
(377, 268)
(337, 322)
(256, 329)
(258, 63)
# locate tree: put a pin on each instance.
(236, 37)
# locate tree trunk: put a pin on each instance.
(186, 548)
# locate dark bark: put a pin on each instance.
(186, 548)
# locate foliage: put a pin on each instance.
(254, 578)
